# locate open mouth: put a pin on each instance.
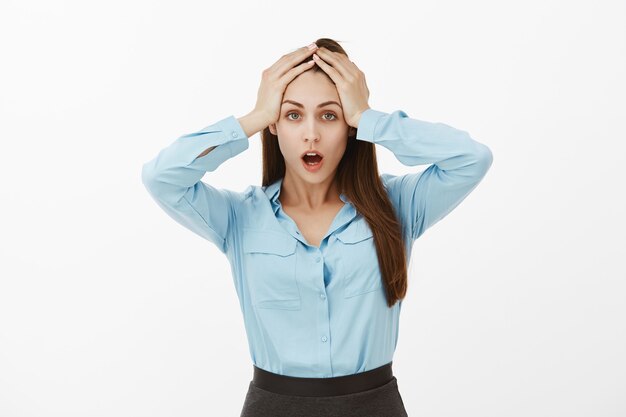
(312, 158)
(312, 161)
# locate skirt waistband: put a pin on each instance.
(320, 387)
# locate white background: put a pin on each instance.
(110, 308)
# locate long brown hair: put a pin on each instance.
(357, 176)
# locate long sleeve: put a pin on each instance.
(173, 179)
(458, 165)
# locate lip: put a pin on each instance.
(312, 150)
(313, 168)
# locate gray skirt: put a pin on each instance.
(276, 395)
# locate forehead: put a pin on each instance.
(310, 89)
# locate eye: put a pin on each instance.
(332, 114)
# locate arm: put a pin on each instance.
(458, 164)
(173, 177)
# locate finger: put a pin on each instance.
(295, 71)
(332, 73)
(338, 61)
(287, 62)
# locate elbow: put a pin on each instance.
(483, 158)
(149, 179)
(147, 175)
(159, 187)
(486, 156)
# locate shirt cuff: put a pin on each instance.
(226, 135)
(233, 129)
(367, 124)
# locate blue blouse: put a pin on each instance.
(315, 311)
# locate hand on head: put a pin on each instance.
(277, 77)
(348, 78)
(350, 82)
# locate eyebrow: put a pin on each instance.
(326, 103)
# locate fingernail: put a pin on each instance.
(312, 46)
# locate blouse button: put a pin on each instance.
(317, 259)
(234, 134)
(324, 338)
(323, 296)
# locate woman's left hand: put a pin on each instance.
(350, 83)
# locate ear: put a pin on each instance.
(272, 128)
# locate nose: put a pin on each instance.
(311, 132)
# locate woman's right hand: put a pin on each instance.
(275, 79)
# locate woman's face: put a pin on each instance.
(324, 127)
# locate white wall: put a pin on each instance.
(110, 308)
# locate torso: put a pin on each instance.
(314, 226)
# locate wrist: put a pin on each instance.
(253, 122)
(357, 118)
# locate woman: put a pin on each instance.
(319, 252)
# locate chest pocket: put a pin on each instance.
(359, 267)
(270, 267)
